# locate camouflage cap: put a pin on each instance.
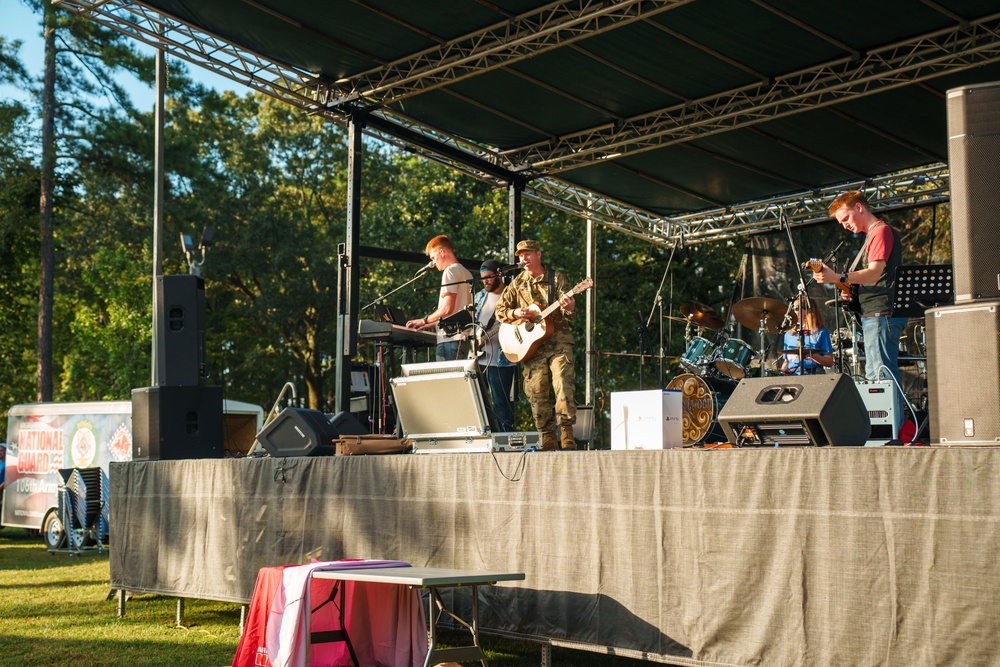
(526, 246)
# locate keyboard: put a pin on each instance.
(394, 334)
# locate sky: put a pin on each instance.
(18, 22)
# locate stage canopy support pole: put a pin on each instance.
(590, 300)
(159, 115)
(349, 281)
(515, 192)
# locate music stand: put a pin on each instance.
(920, 287)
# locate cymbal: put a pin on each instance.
(805, 350)
(702, 315)
(750, 312)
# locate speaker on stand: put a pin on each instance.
(180, 346)
(974, 165)
(963, 351)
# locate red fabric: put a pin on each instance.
(879, 244)
(386, 622)
(251, 651)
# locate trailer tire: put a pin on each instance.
(53, 531)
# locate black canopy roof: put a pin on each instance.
(672, 120)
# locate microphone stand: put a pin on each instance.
(800, 294)
(379, 299)
(658, 303)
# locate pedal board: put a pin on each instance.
(516, 441)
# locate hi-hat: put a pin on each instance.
(702, 315)
(760, 311)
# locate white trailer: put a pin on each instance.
(43, 438)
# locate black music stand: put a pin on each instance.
(921, 287)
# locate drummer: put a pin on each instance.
(817, 348)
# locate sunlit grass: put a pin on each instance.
(55, 610)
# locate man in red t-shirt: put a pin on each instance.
(883, 253)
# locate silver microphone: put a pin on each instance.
(425, 269)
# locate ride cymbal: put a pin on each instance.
(760, 311)
(702, 315)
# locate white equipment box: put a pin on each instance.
(646, 419)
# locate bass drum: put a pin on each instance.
(701, 401)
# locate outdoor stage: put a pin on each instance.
(792, 556)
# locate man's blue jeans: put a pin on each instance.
(882, 334)
(501, 380)
(451, 350)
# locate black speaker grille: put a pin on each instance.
(974, 163)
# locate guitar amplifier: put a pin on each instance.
(882, 402)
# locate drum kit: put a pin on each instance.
(715, 367)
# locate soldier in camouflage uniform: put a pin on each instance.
(551, 368)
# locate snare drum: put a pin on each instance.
(700, 406)
(697, 355)
(734, 358)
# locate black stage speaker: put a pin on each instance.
(176, 423)
(974, 163)
(796, 410)
(180, 346)
(302, 432)
(963, 373)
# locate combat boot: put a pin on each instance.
(568, 441)
(549, 442)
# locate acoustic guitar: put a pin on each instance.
(519, 342)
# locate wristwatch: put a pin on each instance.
(843, 278)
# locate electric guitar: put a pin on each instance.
(848, 292)
(519, 342)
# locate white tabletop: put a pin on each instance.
(424, 577)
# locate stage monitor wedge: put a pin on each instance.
(303, 432)
(796, 410)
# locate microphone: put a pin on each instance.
(425, 269)
(511, 267)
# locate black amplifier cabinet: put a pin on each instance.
(176, 423)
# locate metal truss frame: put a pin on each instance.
(498, 45)
(924, 185)
(959, 47)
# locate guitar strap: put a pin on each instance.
(552, 285)
(864, 248)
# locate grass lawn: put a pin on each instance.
(54, 611)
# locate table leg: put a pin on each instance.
(460, 653)
(333, 635)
